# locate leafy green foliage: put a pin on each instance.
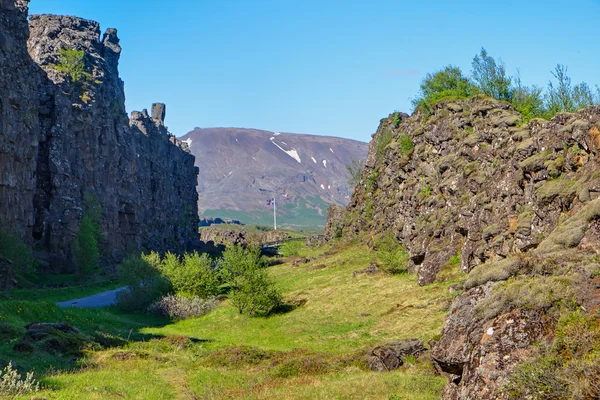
(72, 63)
(528, 100)
(144, 282)
(252, 291)
(490, 76)
(562, 96)
(24, 264)
(290, 248)
(406, 144)
(390, 255)
(355, 169)
(193, 275)
(384, 138)
(448, 82)
(566, 368)
(86, 251)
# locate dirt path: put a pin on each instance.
(102, 299)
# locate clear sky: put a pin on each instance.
(329, 67)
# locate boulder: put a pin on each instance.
(389, 355)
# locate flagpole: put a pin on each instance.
(274, 214)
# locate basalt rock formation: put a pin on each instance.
(66, 141)
(517, 202)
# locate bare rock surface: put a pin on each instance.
(65, 138)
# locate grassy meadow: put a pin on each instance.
(314, 348)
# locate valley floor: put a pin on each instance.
(314, 350)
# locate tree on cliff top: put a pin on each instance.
(491, 76)
(446, 83)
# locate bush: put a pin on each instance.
(237, 261)
(566, 368)
(191, 276)
(291, 248)
(181, 307)
(254, 294)
(13, 385)
(23, 262)
(391, 257)
(144, 283)
(72, 63)
(252, 291)
(446, 83)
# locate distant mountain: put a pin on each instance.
(241, 168)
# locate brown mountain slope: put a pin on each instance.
(241, 168)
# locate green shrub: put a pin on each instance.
(391, 256)
(24, 264)
(72, 63)
(568, 367)
(85, 247)
(406, 144)
(191, 276)
(384, 138)
(254, 294)
(237, 261)
(252, 291)
(446, 83)
(290, 248)
(144, 283)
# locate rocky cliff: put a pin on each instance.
(517, 202)
(67, 141)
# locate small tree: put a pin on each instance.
(86, 250)
(564, 97)
(72, 63)
(528, 100)
(490, 76)
(252, 291)
(448, 82)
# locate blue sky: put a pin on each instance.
(329, 67)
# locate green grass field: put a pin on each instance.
(314, 351)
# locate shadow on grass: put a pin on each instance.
(288, 306)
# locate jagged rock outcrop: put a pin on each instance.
(472, 179)
(335, 221)
(66, 140)
(519, 202)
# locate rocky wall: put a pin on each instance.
(67, 142)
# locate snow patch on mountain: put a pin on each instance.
(292, 153)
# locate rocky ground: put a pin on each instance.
(516, 201)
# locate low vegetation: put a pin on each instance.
(568, 367)
(312, 346)
(489, 77)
